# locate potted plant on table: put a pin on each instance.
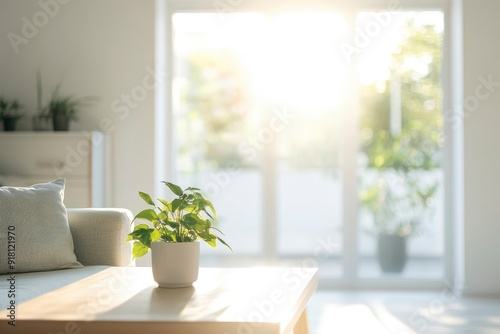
(10, 113)
(176, 226)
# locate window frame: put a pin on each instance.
(453, 133)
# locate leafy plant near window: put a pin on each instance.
(399, 204)
(187, 218)
(403, 165)
(399, 197)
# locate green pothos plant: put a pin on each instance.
(187, 218)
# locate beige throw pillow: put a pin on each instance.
(34, 229)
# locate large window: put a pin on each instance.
(317, 136)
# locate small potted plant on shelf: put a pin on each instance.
(10, 112)
(61, 109)
(64, 109)
(176, 226)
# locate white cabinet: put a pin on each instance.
(79, 157)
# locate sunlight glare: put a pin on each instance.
(291, 59)
(350, 319)
(302, 65)
(375, 60)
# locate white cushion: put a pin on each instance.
(37, 221)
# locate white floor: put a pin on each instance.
(366, 312)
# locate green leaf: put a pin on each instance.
(170, 223)
(148, 214)
(165, 203)
(138, 250)
(211, 207)
(146, 198)
(168, 238)
(141, 227)
(155, 235)
(224, 243)
(196, 223)
(177, 204)
(211, 241)
(144, 236)
(192, 209)
(139, 230)
(215, 228)
(175, 188)
(162, 215)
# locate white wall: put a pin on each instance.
(90, 47)
(482, 152)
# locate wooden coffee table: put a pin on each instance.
(223, 301)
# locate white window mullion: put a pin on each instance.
(163, 97)
(269, 203)
(350, 190)
(453, 134)
(350, 169)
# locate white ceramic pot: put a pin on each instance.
(175, 264)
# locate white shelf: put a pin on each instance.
(31, 157)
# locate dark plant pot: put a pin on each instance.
(9, 124)
(391, 252)
(60, 122)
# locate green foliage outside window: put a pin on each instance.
(216, 108)
(398, 196)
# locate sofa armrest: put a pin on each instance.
(99, 234)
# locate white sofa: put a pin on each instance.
(98, 237)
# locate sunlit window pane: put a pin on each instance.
(401, 177)
(215, 119)
(257, 103)
(261, 104)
